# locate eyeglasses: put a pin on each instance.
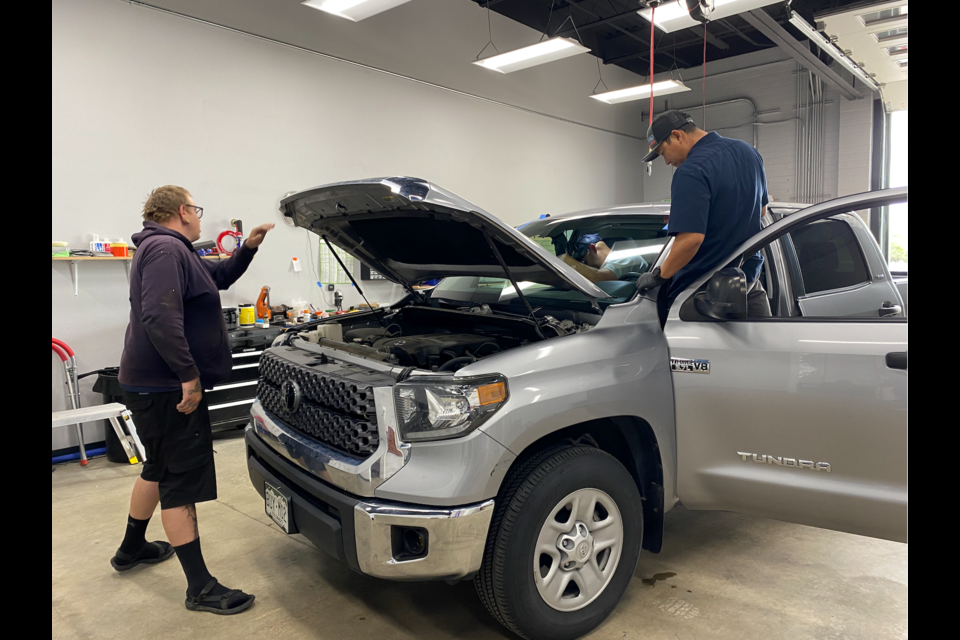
(199, 210)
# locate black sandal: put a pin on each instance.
(203, 601)
(128, 560)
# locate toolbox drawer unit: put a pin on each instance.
(229, 401)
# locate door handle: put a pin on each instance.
(889, 309)
(897, 360)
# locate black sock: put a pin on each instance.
(193, 566)
(134, 538)
(197, 575)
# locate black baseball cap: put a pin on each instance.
(659, 130)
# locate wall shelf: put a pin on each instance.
(76, 260)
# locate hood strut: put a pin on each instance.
(516, 287)
(350, 275)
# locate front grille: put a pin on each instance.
(337, 410)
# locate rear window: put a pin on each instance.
(829, 256)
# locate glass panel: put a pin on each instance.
(902, 62)
(829, 256)
(898, 178)
(626, 245)
(900, 48)
(890, 34)
(881, 16)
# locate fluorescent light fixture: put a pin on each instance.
(639, 93)
(354, 10)
(674, 15)
(820, 40)
(540, 53)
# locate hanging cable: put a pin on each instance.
(653, 12)
(703, 85)
(489, 35)
(549, 18)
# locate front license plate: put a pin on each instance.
(277, 506)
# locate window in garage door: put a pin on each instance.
(898, 178)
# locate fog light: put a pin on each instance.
(409, 543)
(413, 542)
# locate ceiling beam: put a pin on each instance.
(596, 23)
(762, 22)
(740, 33)
(715, 41)
(630, 34)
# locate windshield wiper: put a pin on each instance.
(516, 287)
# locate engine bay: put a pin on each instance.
(435, 339)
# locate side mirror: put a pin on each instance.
(725, 297)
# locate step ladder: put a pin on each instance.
(132, 446)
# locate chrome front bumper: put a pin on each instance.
(361, 531)
(455, 540)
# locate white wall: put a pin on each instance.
(769, 79)
(142, 98)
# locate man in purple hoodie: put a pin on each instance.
(176, 346)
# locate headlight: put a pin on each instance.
(437, 409)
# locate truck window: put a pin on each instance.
(829, 256)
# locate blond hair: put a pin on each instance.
(164, 202)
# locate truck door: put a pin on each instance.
(800, 416)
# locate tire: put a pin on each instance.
(507, 582)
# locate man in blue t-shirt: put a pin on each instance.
(718, 194)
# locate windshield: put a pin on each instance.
(610, 250)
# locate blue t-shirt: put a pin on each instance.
(718, 191)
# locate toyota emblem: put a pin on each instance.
(290, 396)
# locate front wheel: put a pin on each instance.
(563, 543)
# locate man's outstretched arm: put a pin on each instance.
(228, 271)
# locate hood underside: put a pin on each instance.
(410, 231)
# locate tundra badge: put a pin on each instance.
(780, 461)
(686, 365)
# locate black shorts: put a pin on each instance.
(179, 447)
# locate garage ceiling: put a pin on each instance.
(875, 36)
(618, 35)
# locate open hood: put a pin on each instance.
(410, 230)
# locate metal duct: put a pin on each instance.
(809, 160)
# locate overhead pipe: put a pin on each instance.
(756, 112)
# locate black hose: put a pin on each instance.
(449, 364)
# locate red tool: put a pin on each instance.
(229, 241)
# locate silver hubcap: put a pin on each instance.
(578, 549)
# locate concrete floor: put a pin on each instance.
(720, 575)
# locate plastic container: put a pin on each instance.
(60, 249)
(119, 248)
(248, 315)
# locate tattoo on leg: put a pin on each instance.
(191, 510)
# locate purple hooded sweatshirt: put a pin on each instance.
(176, 331)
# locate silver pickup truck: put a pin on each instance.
(526, 428)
